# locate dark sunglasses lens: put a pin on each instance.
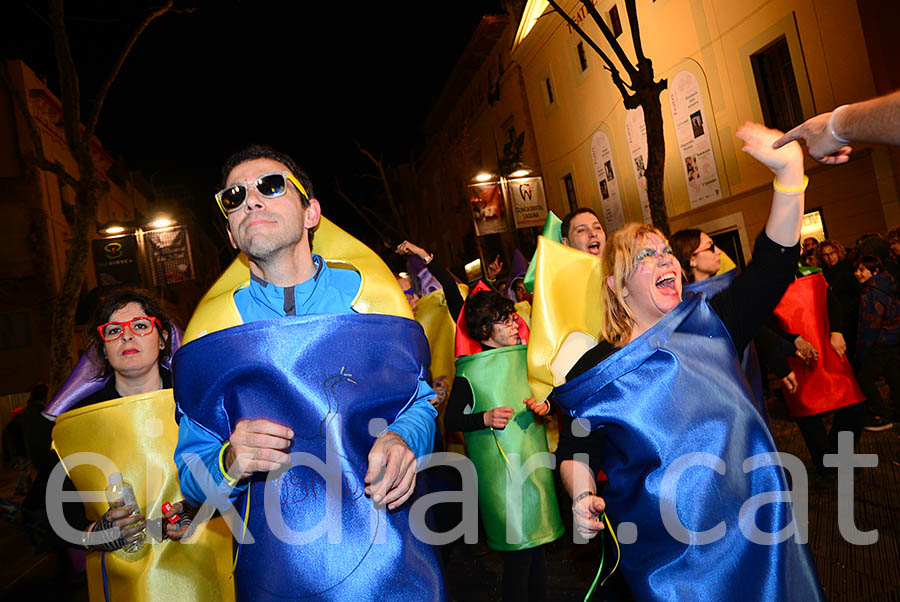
(233, 197)
(271, 185)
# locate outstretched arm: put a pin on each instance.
(786, 162)
(827, 136)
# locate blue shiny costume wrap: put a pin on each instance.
(678, 389)
(750, 360)
(338, 373)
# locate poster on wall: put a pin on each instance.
(529, 204)
(170, 257)
(115, 260)
(692, 129)
(607, 183)
(487, 208)
(636, 135)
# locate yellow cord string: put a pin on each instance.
(502, 453)
(612, 532)
(243, 531)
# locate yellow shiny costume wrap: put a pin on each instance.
(378, 293)
(566, 313)
(725, 264)
(440, 330)
(138, 434)
(566, 302)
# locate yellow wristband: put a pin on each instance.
(792, 190)
(225, 474)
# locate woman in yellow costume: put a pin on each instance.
(130, 422)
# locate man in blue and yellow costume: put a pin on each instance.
(295, 363)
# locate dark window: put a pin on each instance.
(569, 183)
(582, 58)
(615, 24)
(549, 86)
(777, 86)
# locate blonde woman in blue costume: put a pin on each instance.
(664, 386)
(130, 420)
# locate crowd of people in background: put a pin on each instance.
(823, 318)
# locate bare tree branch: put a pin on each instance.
(340, 192)
(631, 11)
(22, 105)
(387, 187)
(617, 79)
(610, 39)
(117, 66)
(56, 167)
(40, 159)
(68, 83)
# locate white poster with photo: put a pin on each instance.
(692, 129)
(528, 201)
(636, 135)
(607, 183)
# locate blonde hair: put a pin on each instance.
(618, 262)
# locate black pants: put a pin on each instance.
(819, 442)
(882, 360)
(525, 575)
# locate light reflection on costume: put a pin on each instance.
(661, 405)
(138, 434)
(327, 376)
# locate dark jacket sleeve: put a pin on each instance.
(451, 291)
(835, 312)
(747, 304)
(455, 417)
(772, 349)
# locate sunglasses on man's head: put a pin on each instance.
(270, 186)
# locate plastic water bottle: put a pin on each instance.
(121, 495)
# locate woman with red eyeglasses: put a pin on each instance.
(129, 422)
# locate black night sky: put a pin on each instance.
(306, 77)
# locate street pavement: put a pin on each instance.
(847, 572)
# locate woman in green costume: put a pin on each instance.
(492, 404)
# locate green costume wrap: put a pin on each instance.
(497, 378)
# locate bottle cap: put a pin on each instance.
(115, 478)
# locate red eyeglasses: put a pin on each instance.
(140, 326)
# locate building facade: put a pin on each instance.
(481, 123)
(35, 233)
(772, 61)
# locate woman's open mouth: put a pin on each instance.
(666, 283)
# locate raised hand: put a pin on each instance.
(494, 268)
(408, 248)
(783, 161)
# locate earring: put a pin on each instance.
(162, 344)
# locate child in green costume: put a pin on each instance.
(493, 405)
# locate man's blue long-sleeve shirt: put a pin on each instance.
(198, 453)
